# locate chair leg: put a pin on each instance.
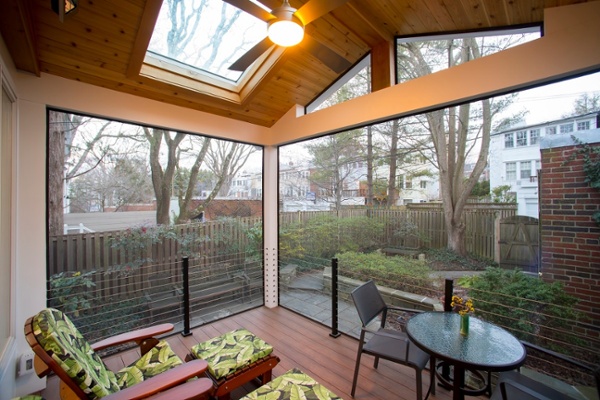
(419, 384)
(355, 373)
(431, 376)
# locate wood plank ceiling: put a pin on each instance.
(104, 44)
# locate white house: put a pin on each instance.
(514, 157)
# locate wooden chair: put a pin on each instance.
(59, 347)
(512, 385)
(384, 343)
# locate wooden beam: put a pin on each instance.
(16, 24)
(382, 66)
(142, 39)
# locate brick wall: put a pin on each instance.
(570, 238)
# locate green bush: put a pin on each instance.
(70, 291)
(324, 236)
(533, 310)
(400, 273)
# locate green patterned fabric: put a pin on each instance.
(294, 384)
(233, 350)
(160, 359)
(62, 341)
(29, 397)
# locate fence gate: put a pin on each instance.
(519, 243)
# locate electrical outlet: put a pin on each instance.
(26, 364)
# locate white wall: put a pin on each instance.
(553, 56)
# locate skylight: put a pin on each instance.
(207, 35)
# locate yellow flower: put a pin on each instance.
(461, 305)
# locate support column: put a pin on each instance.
(270, 225)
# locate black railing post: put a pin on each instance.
(186, 296)
(448, 290)
(334, 298)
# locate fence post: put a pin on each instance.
(186, 297)
(334, 298)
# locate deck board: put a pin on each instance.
(300, 343)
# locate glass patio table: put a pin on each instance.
(487, 347)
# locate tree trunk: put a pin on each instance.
(57, 122)
(369, 166)
(392, 185)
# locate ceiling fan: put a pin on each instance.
(297, 20)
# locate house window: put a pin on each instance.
(511, 171)
(509, 140)
(583, 125)
(551, 130)
(423, 184)
(566, 128)
(534, 136)
(525, 167)
(522, 138)
(408, 184)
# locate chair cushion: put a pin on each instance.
(231, 351)
(160, 359)
(57, 335)
(294, 384)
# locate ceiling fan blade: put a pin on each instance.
(316, 9)
(251, 8)
(251, 55)
(327, 56)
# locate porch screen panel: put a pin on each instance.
(5, 219)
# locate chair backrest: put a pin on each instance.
(368, 301)
(65, 345)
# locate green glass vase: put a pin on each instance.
(464, 324)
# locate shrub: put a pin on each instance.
(400, 273)
(324, 236)
(533, 310)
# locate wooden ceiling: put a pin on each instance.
(104, 44)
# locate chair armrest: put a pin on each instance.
(197, 389)
(137, 336)
(162, 382)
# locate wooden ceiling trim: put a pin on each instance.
(329, 30)
(51, 33)
(376, 32)
(496, 12)
(16, 24)
(158, 75)
(262, 78)
(438, 13)
(382, 66)
(116, 61)
(476, 12)
(143, 36)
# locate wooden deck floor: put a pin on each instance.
(300, 343)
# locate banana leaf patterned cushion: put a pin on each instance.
(294, 384)
(231, 351)
(161, 358)
(63, 342)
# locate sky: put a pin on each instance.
(550, 102)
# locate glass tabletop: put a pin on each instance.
(486, 346)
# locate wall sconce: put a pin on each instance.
(64, 8)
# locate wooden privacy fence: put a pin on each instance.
(423, 226)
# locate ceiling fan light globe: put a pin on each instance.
(286, 32)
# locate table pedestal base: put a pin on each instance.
(445, 372)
